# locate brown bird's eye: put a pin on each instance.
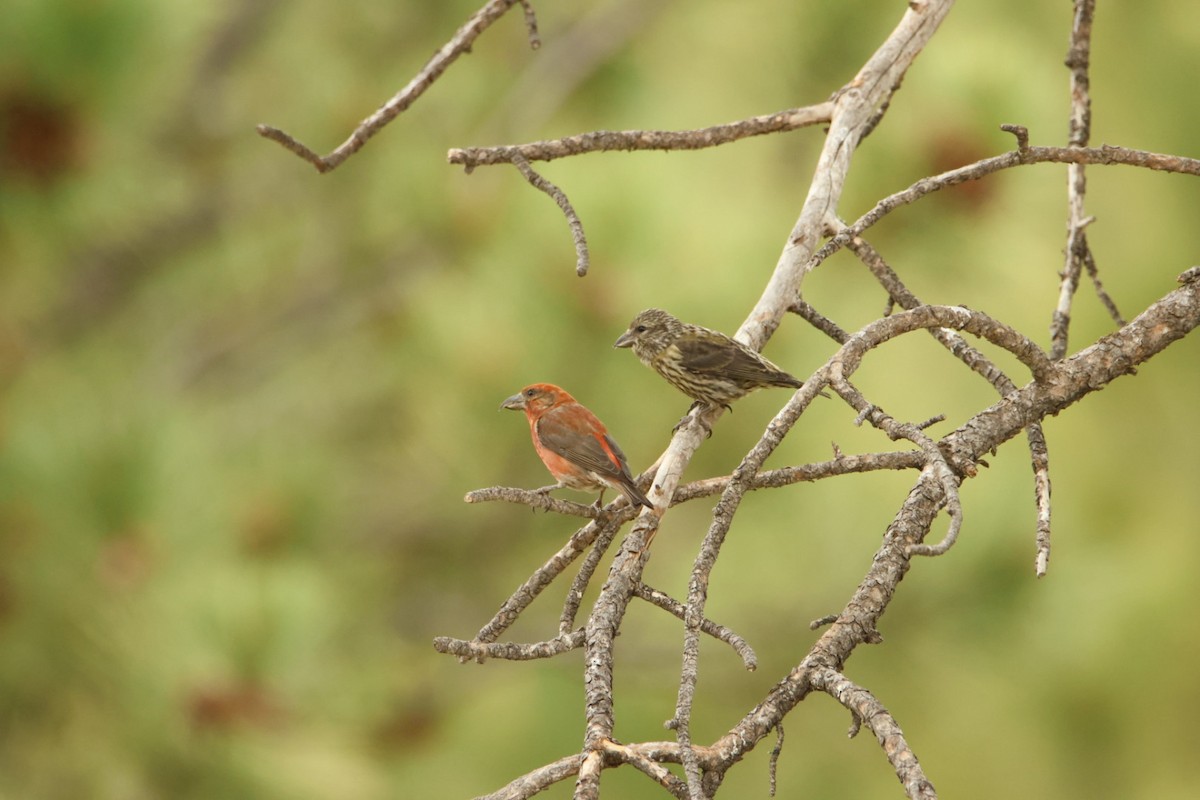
(640, 329)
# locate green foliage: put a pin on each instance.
(241, 402)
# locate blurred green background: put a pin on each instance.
(240, 403)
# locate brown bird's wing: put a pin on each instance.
(582, 448)
(719, 355)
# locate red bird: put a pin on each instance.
(573, 444)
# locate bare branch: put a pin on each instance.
(1077, 250)
(935, 464)
(1039, 453)
(534, 499)
(819, 321)
(601, 631)
(1166, 321)
(1171, 318)
(460, 43)
(478, 651)
(773, 762)
(774, 478)
(647, 766)
(607, 141)
(958, 318)
(1119, 353)
(1089, 263)
(853, 110)
(528, 591)
(1106, 155)
(538, 182)
(566, 620)
(867, 709)
(1021, 133)
(531, 25)
(538, 780)
(673, 606)
(1041, 493)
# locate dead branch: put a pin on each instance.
(867, 710)
(1106, 155)
(511, 651)
(955, 344)
(720, 632)
(538, 182)
(607, 141)
(1077, 252)
(460, 43)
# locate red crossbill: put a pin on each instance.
(706, 365)
(573, 444)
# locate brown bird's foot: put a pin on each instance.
(684, 421)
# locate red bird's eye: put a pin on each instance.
(530, 392)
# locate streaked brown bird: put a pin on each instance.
(706, 365)
(573, 444)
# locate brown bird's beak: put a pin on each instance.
(624, 340)
(516, 402)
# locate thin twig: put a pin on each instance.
(785, 476)
(533, 499)
(538, 182)
(935, 463)
(475, 650)
(647, 766)
(537, 780)
(1105, 155)
(954, 343)
(531, 25)
(1077, 250)
(608, 141)
(1098, 286)
(1041, 494)
(773, 762)
(853, 109)
(566, 620)
(528, 591)
(673, 606)
(819, 321)
(867, 709)
(460, 43)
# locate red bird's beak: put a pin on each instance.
(516, 402)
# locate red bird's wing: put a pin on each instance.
(574, 433)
